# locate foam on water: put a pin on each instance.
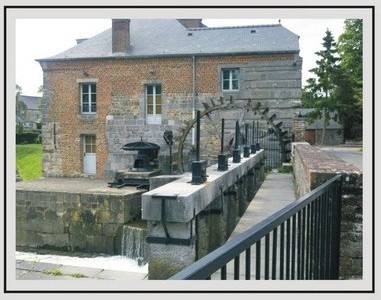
(115, 262)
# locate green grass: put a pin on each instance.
(55, 272)
(29, 161)
(78, 275)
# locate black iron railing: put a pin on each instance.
(301, 241)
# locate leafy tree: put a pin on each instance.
(350, 83)
(319, 92)
(21, 109)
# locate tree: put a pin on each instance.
(350, 83)
(319, 92)
(21, 109)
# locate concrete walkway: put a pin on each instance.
(276, 192)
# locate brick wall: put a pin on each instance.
(312, 167)
(120, 117)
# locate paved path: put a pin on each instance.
(276, 192)
(350, 154)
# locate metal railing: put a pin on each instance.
(301, 241)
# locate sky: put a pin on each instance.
(41, 38)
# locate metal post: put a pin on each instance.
(246, 149)
(198, 137)
(198, 166)
(222, 135)
(236, 151)
(170, 158)
(253, 148)
(222, 158)
(258, 146)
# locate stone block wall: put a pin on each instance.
(90, 223)
(312, 167)
(274, 80)
(186, 222)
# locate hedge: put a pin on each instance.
(28, 138)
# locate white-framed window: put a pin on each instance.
(153, 103)
(88, 98)
(230, 79)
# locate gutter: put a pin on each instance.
(167, 55)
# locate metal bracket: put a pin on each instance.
(168, 239)
(212, 211)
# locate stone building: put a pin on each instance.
(143, 77)
(312, 132)
(33, 114)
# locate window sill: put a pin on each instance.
(87, 117)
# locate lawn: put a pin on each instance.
(29, 161)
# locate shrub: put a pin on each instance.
(28, 138)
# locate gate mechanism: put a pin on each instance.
(246, 105)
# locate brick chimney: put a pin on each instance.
(120, 35)
(191, 23)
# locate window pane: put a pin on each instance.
(93, 148)
(85, 98)
(85, 88)
(235, 74)
(149, 89)
(226, 74)
(85, 107)
(158, 89)
(149, 100)
(158, 109)
(225, 85)
(150, 109)
(158, 99)
(93, 88)
(235, 85)
(94, 103)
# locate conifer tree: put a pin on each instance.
(319, 91)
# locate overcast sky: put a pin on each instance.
(41, 38)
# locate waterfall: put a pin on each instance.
(134, 242)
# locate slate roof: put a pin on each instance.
(318, 124)
(31, 102)
(167, 37)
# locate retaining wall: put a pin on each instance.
(73, 221)
(312, 167)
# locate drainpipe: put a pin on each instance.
(193, 95)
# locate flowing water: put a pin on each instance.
(133, 242)
(107, 262)
(133, 256)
